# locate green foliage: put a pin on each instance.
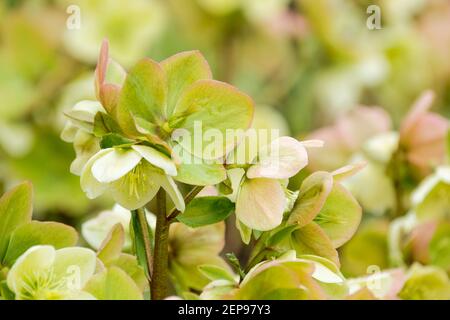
(206, 210)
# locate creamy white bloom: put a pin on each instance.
(131, 175)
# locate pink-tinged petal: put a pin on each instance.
(260, 204)
(109, 76)
(114, 165)
(348, 171)
(430, 127)
(419, 108)
(313, 143)
(362, 123)
(102, 63)
(334, 152)
(420, 241)
(282, 159)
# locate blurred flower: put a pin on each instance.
(423, 135)
(426, 283)
(43, 273)
(95, 230)
(347, 136)
(132, 29)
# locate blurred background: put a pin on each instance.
(306, 63)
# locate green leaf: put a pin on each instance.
(113, 284)
(113, 139)
(182, 70)
(216, 107)
(15, 210)
(204, 211)
(111, 247)
(105, 124)
(138, 243)
(340, 216)
(312, 196)
(143, 95)
(213, 272)
(35, 233)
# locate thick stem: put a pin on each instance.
(160, 278)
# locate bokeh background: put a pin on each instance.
(306, 63)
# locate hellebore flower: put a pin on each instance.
(132, 175)
(140, 124)
(423, 134)
(347, 136)
(43, 273)
(259, 192)
(78, 130)
(191, 247)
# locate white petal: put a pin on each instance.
(75, 265)
(114, 165)
(260, 204)
(91, 186)
(314, 143)
(37, 259)
(284, 158)
(324, 274)
(172, 189)
(157, 159)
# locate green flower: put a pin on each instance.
(43, 273)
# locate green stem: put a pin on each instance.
(160, 278)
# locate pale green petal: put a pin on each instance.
(260, 204)
(215, 107)
(113, 284)
(85, 145)
(171, 188)
(91, 186)
(35, 261)
(143, 95)
(282, 159)
(135, 189)
(235, 175)
(74, 265)
(182, 70)
(95, 230)
(157, 159)
(114, 165)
